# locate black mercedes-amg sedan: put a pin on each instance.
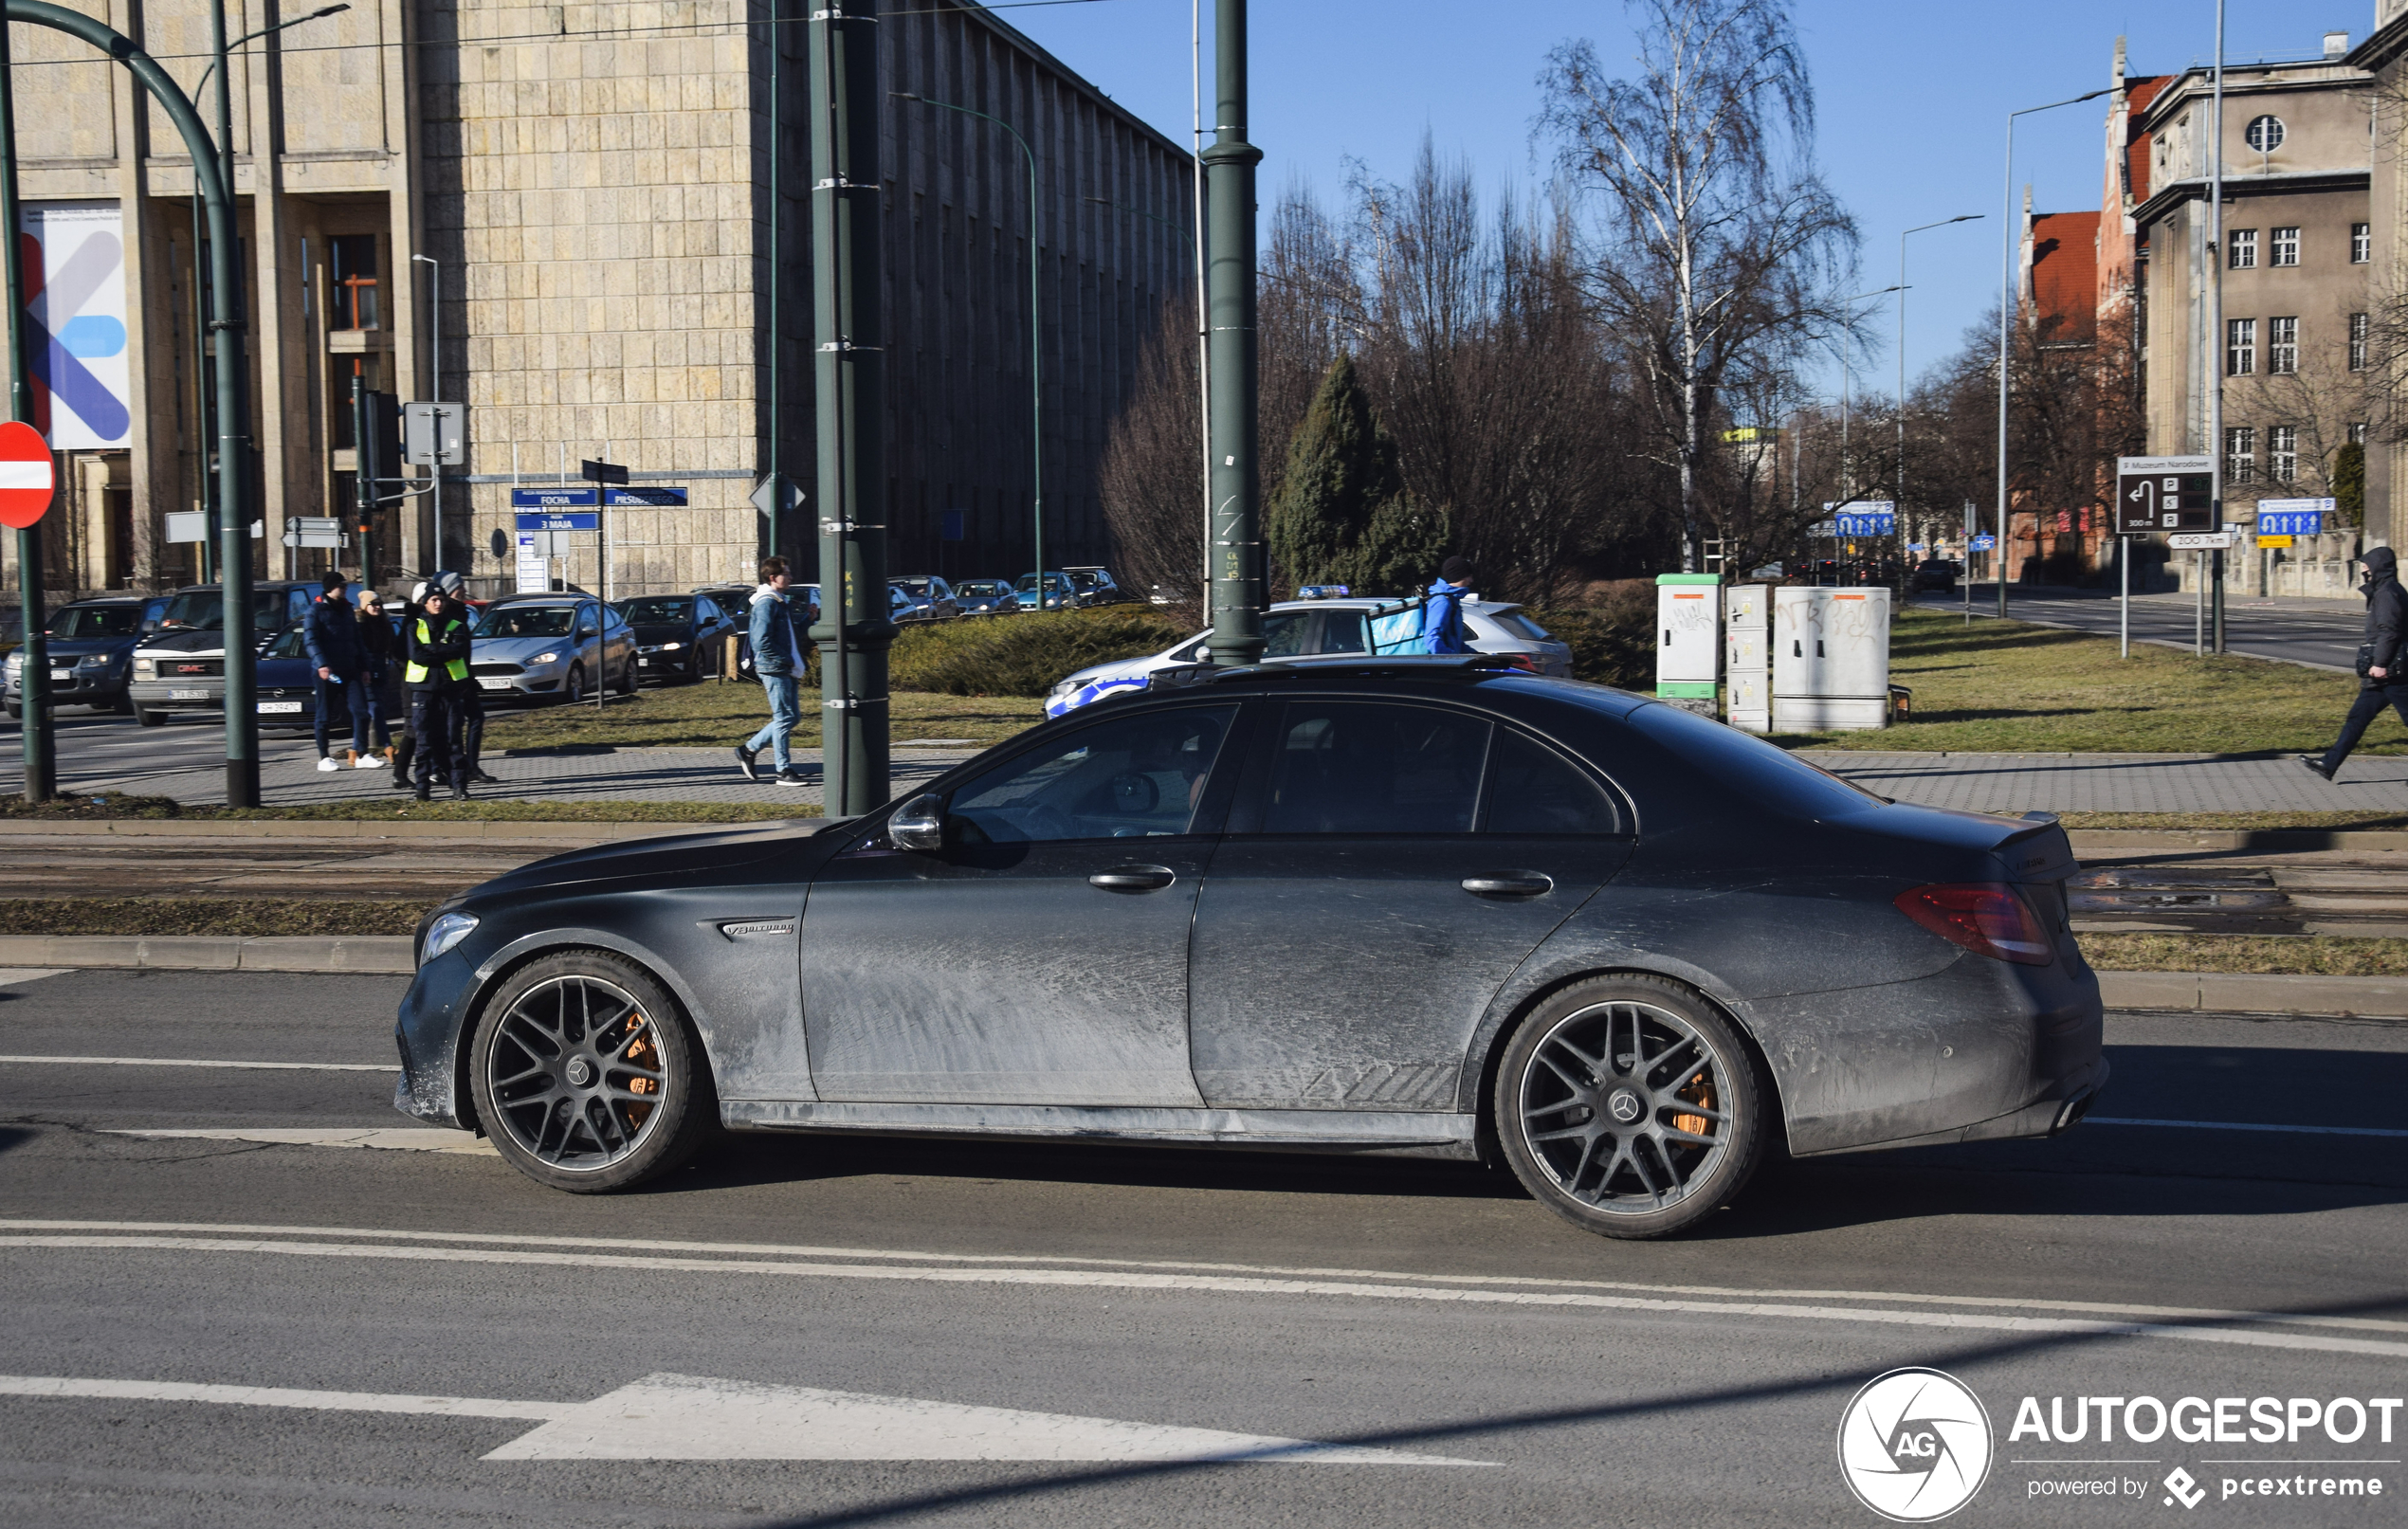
(1427, 906)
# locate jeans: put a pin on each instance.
(357, 696)
(2369, 705)
(785, 715)
(434, 722)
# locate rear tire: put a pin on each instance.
(1630, 1108)
(586, 1076)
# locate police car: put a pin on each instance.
(1331, 619)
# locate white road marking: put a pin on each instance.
(333, 1401)
(11, 974)
(1227, 1285)
(2236, 1125)
(402, 1137)
(2087, 1308)
(191, 1062)
(690, 1417)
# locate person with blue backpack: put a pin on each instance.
(1441, 609)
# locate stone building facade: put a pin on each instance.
(562, 215)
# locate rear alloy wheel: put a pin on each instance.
(586, 1076)
(1630, 1108)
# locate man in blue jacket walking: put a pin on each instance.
(1441, 609)
(778, 658)
(332, 636)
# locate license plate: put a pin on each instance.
(188, 695)
(61, 674)
(494, 685)
(281, 705)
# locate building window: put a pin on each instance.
(2243, 245)
(2240, 347)
(2240, 455)
(2362, 243)
(351, 299)
(2358, 336)
(2282, 452)
(2286, 248)
(2264, 134)
(2281, 347)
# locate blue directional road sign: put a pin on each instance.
(2291, 517)
(1985, 544)
(1876, 523)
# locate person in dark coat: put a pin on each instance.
(383, 648)
(437, 671)
(2383, 664)
(332, 636)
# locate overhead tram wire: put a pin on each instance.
(598, 33)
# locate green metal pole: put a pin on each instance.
(1236, 481)
(776, 285)
(233, 447)
(38, 748)
(855, 630)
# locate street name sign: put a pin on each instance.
(560, 520)
(647, 495)
(29, 478)
(552, 499)
(2165, 494)
(2292, 517)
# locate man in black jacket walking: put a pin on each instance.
(2383, 661)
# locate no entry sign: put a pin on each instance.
(25, 477)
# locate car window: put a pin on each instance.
(1373, 767)
(1193, 652)
(206, 611)
(663, 607)
(1748, 769)
(1518, 625)
(1284, 634)
(1344, 631)
(1534, 789)
(1134, 777)
(613, 621)
(95, 620)
(525, 621)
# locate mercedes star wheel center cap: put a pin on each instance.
(580, 1072)
(1625, 1106)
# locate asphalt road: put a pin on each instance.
(94, 748)
(2325, 633)
(209, 1330)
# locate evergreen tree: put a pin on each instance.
(1341, 515)
(2349, 484)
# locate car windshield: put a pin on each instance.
(291, 644)
(659, 607)
(96, 621)
(1028, 583)
(526, 621)
(911, 585)
(206, 610)
(983, 588)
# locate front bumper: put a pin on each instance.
(427, 1033)
(82, 688)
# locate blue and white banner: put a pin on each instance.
(74, 256)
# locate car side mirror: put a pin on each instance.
(919, 823)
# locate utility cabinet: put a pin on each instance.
(1830, 659)
(1688, 658)
(1747, 654)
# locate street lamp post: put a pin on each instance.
(2006, 317)
(1899, 508)
(2214, 348)
(434, 386)
(1036, 341)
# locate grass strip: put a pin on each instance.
(2328, 956)
(2009, 686)
(389, 810)
(2235, 822)
(240, 917)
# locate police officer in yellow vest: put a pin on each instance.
(437, 671)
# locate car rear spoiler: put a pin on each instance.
(2039, 851)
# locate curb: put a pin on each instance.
(2233, 992)
(380, 954)
(2091, 841)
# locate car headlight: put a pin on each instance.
(1062, 688)
(543, 657)
(146, 668)
(671, 647)
(446, 930)
(93, 661)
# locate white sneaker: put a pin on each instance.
(368, 761)
(327, 764)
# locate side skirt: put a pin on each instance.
(1400, 1132)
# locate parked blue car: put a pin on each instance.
(90, 643)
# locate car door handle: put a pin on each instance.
(1133, 879)
(1511, 884)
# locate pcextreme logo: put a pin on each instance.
(1914, 1444)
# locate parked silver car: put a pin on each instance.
(552, 647)
(1310, 629)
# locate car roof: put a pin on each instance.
(112, 599)
(539, 599)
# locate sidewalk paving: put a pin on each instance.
(2015, 783)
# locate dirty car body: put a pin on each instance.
(1328, 905)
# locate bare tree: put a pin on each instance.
(1151, 474)
(1719, 241)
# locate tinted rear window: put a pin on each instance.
(1750, 768)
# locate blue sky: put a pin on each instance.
(1912, 97)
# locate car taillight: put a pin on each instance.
(1986, 918)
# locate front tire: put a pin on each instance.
(144, 716)
(586, 1076)
(1630, 1108)
(573, 689)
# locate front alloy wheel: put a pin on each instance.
(586, 1076)
(1630, 1108)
